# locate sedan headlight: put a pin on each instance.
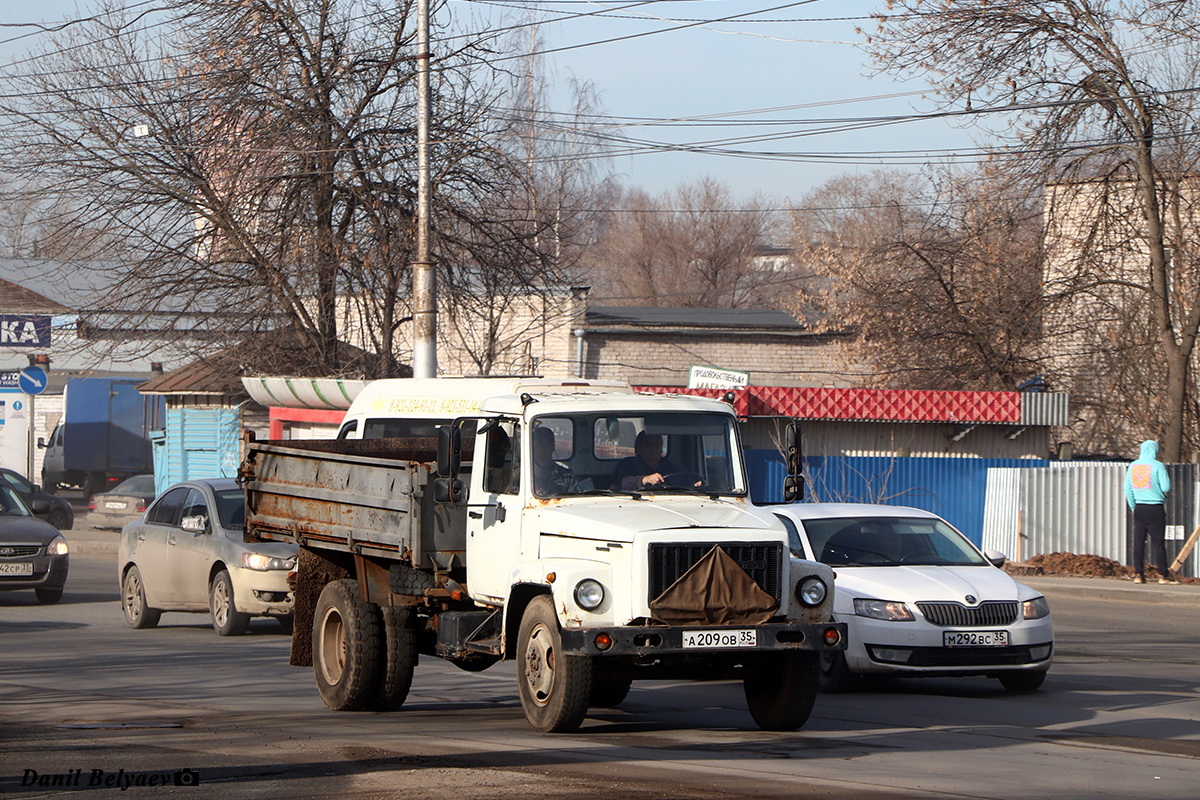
(811, 591)
(263, 563)
(1036, 608)
(891, 610)
(589, 594)
(57, 547)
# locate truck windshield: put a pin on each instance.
(680, 452)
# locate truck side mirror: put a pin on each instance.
(793, 484)
(449, 456)
(793, 489)
(41, 443)
(448, 490)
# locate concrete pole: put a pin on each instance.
(424, 275)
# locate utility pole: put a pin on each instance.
(424, 275)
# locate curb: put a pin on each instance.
(89, 548)
(1111, 589)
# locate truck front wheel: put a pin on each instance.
(781, 688)
(555, 688)
(397, 660)
(345, 647)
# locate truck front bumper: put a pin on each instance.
(656, 640)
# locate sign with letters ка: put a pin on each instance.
(24, 330)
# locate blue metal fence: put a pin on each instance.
(953, 488)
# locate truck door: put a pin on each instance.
(494, 514)
(52, 463)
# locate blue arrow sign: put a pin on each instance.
(32, 380)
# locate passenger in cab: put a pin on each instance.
(550, 478)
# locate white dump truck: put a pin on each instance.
(593, 534)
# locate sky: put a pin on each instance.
(774, 92)
(795, 77)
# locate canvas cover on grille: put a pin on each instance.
(715, 591)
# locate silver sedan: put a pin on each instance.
(186, 553)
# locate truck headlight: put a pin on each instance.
(263, 563)
(811, 591)
(589, 594)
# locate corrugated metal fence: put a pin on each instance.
(1079, 507)
(199, 443)
(1022, 507)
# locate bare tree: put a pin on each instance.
(259, 156)
(508, 268)
(1089, 92)
(938, 283)
(697, 246)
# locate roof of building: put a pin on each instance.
(758, 319)
(269, 353)
(16, 299)
(892, 405)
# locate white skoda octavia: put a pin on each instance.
(919, 599)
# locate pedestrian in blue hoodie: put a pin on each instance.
(1146, 487)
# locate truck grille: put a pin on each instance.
(958, 615)
(760, 560)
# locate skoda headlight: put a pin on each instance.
(589, 594)
(890, 610)
(811, 591)
(263, 563)
(1036, 608)
(57, 546)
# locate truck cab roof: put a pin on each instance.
(442, 398)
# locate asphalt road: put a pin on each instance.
(80, 692)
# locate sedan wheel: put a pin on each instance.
(227, 620)
(58, 520)
(133, 602)
(1022, 681)
(834, 673)
(48, 596)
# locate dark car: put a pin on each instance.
(33, 555)
(45, 506)
(125, 503)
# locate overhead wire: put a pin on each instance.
(614, 145)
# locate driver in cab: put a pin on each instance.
(647, 467)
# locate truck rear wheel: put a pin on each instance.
(609, 692)
(345, 647)
(780, 689)
(555, 688)
(397, 659)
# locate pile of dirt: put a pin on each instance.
(1087, 566)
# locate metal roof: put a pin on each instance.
(759, 319)
(893, 405)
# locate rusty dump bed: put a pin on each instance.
(370, 496)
